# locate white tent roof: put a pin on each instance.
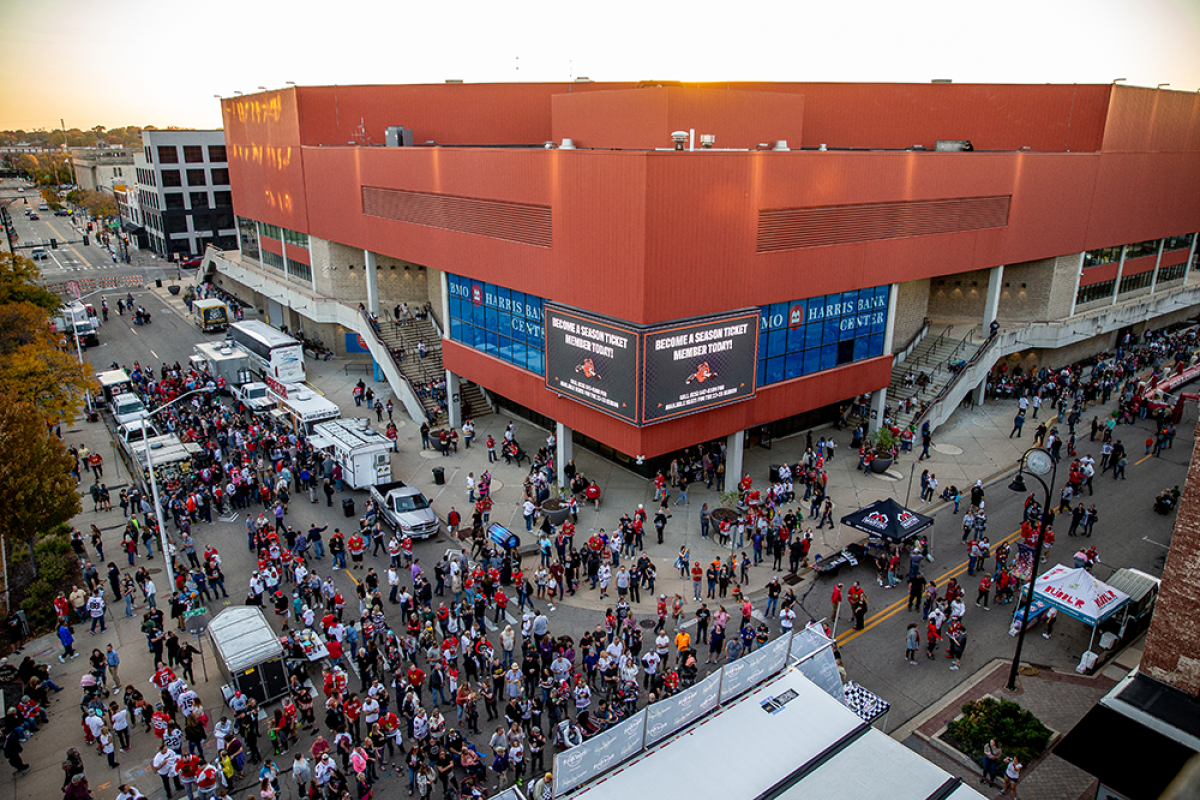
(1079, 593)
(816, 745)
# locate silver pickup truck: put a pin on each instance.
(405, 510)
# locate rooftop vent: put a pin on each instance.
(707, 140)
(679, 138)
(567, 144)
(781, 145)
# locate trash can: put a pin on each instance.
(774, 476)
(439, 476)
(348, 507)
(158, 282)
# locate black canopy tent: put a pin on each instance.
(889, 521)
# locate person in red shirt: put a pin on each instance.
(453, 519)
(162, 676)
(836, 599)
(416, 678)
(62, 606)
(160, 721)
(335, 651)
(501, 604)
(356, 546)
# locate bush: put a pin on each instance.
(1018, 731)
(58, 570)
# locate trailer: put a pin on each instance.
(301, 406)
(112, 383)
(223, 362)
(250, 656)
(364, 454)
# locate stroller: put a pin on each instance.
(568, 734)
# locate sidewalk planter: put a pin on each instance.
(555, 510)
(881, 464)
(173, 289)
(721, 514)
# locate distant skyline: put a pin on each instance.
(137, 62)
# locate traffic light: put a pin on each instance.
(89, 226)
(54, 244)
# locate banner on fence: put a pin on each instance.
(751, 668)
(673, 713)
(602, 752)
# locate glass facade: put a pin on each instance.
(795, 338)
(819, 333)
(501, 322)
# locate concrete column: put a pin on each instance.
(372, 282)
(1157, 261)
(991, 308)
(453, 401)
(566, 450)
(1120, 270)
(890, 331)
(734, 449)
(445, 281)
(1078, 276)
(1191, 256)
(878, 401)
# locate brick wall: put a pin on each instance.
(1172, 652)
(959, 297)
(1038, 290)
(399, 281)
(433, 284)
(1036, 359)
(912, 306)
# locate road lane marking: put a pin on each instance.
(154, 354)
(1160, 544)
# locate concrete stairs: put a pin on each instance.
(420, 371)
(930, 363)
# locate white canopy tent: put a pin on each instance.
(1079, 594)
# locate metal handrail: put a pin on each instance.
(955, 377)
(904, 352)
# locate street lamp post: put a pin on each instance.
(158, 512)
(1036, 461)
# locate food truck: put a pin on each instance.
(112, 383)
(300, 407)
(365, 454)
(210, 315)
(223, 362)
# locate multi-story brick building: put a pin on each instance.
(590, 252)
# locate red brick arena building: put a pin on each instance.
(658, 265)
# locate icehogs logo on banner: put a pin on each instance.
(907, 519)
(476, 294)
(796, 317)
(876, 519)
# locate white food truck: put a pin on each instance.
(299, 406)
(365, 454)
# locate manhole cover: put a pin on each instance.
(948, 449)
(647, 623)
(430, 454)
(790, 579)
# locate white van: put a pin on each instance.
(127, 408)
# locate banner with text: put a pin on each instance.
(677, 711)
(645, 375)
(602, 752)
(699, 365)
(593, 361)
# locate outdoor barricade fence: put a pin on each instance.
(808, 649)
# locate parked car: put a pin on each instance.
(190, 263)
(62, 212)
(34, 216)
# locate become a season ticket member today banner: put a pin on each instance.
(697, 365)
(592, 360)
(645, 375)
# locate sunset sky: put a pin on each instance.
(137, 62)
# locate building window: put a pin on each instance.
(1178, 242)
(175, 201)
(299, 269)
(295, 238)
(193, 154)
(223, 199)
(501, 322)
(248, 237)
(177, 224)
(196, 177)
(171, 177)
(1140, 249)
(199, 199)
(167, 154)
(1131, 283)
(818, 333)
(220, 176)
(270, 231)
(1105, 255)
(216, 152)
(222, 220)
(273, 260)
(1096, 291)
(1172, 273)
(202, 223)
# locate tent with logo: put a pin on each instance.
(888, 521)
(1079, 594)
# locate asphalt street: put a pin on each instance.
(1129, 534)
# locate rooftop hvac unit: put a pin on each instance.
(397, 136)
(953, 145)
